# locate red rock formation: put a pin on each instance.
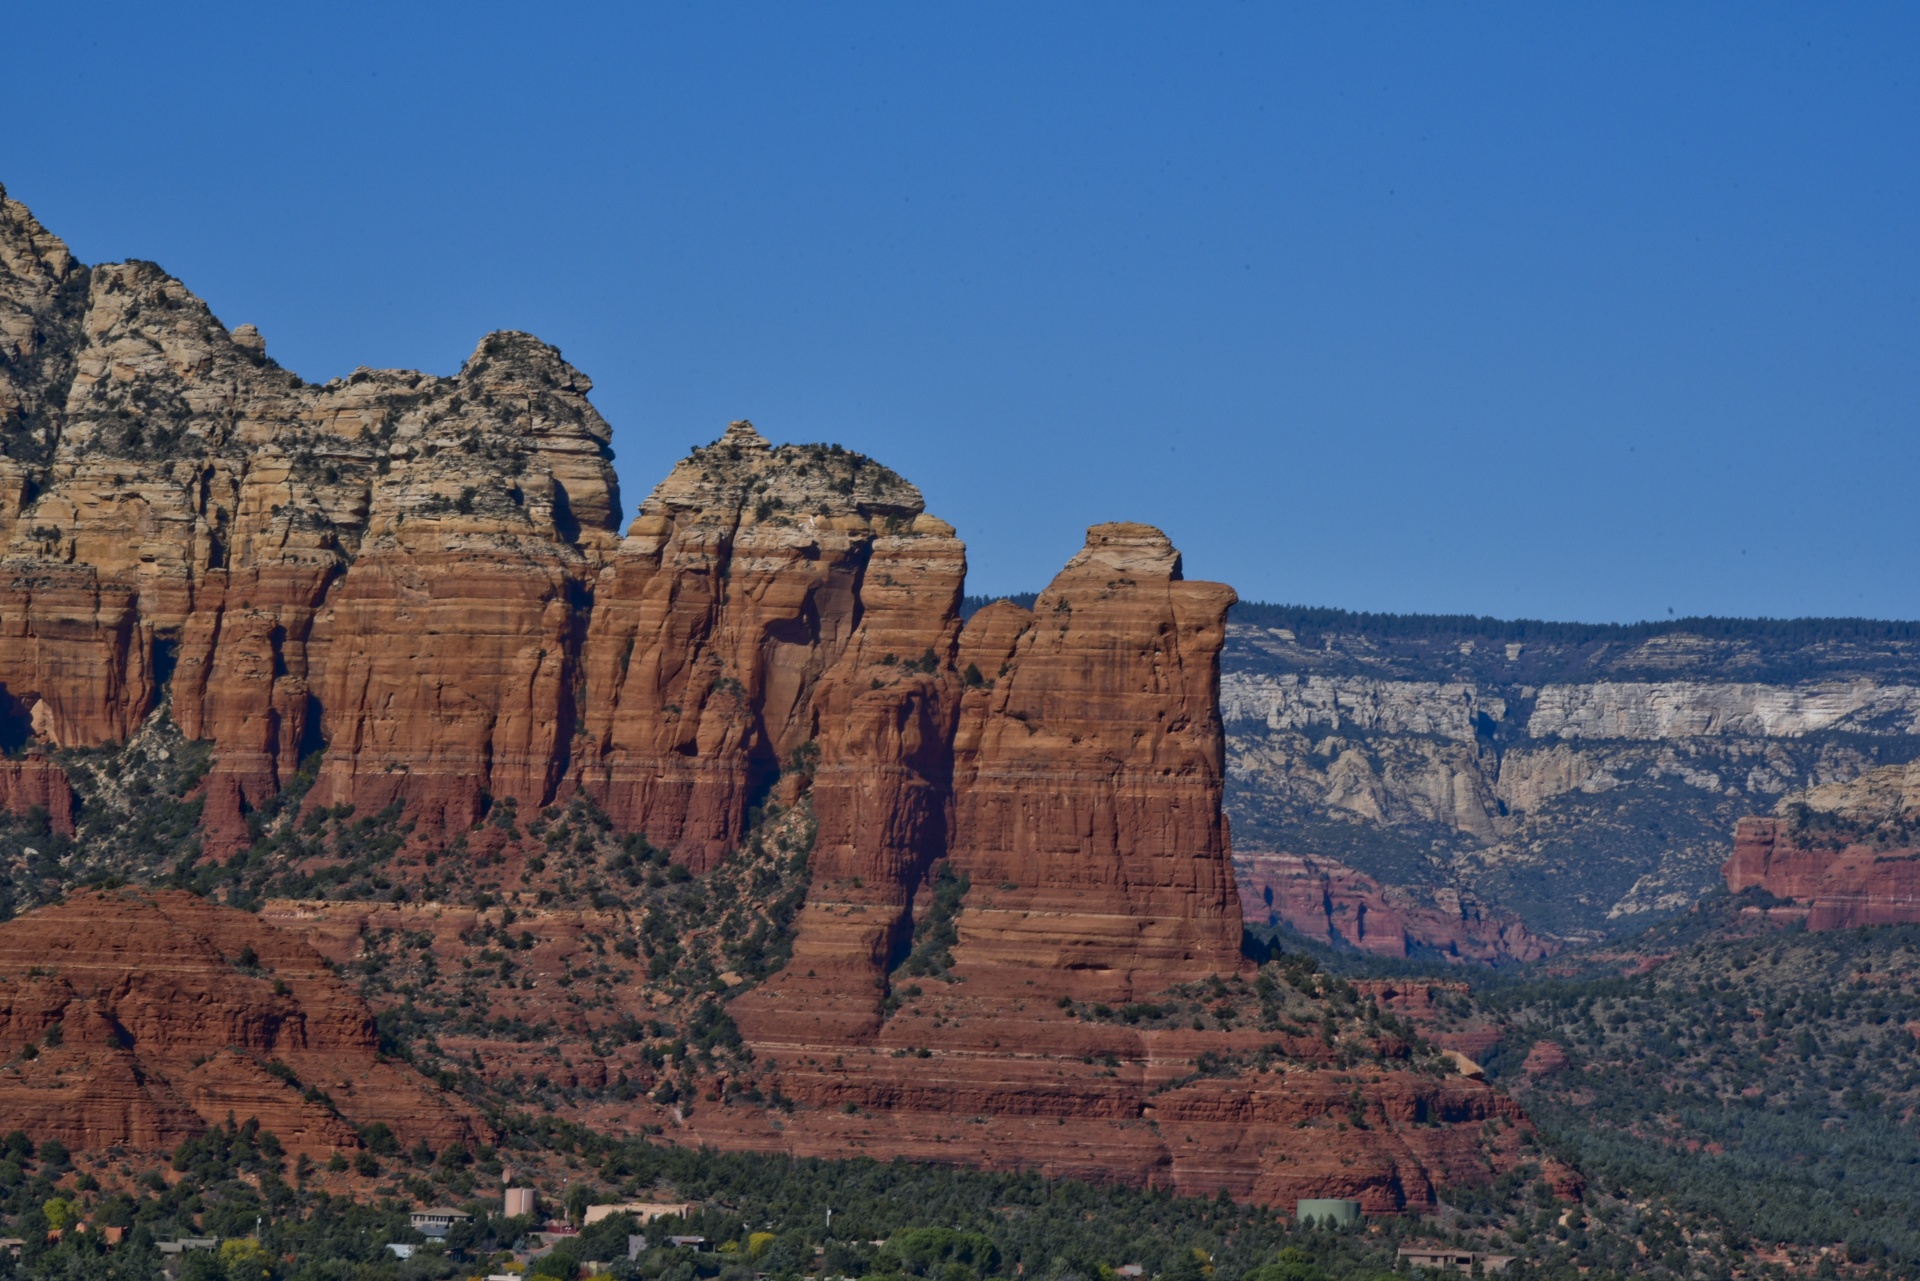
(1270, 1138)
(422, 573)
(74, 655)
(453, 638)
(1840, 886)
(764, 599)
(1087, 777)
(1088, 769)
(1849, 853)
(36, 783)
(1545, 1058)
(135, 1019)
(169, 495)
(1435, 1010)
(1331, 902)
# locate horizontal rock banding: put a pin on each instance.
(139, 1019)
(1848, 853)
(413, 587)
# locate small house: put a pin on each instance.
(642, 1211)
(437, 1221)
(186, 1244)
(1443, 1257)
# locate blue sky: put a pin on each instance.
(1564, 311)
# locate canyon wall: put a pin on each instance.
(1848, 853)
(1579, 777)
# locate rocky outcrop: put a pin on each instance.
(1088, 767)
(185, 518)
(1544, 1058)
(1849, 853)
(1332, 903)
(1078, 793)
(767, 599)
(1086, 861)
(1137, 1113)
(34, 784)
(138, 1019)
(453, 638)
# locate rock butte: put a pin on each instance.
(1847, 853)
(422, 576)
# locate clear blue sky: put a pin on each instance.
(1550, 310)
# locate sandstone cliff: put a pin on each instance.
(406, 592)
(138, 1019)
(1849, 853)
(388, 563)
(1332, 903)
(766, 599)
(1087, 774)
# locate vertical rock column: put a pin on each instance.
(1088, 773)
(755, 583)
(884, 717)
(453, 640)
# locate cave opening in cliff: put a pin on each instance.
(16, 722)
(166, 656)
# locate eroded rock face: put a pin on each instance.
(1088, 769)
(36, 783)
(1328, 901)
(141, 1018)
(766, 599)
(182, 516)
(421, 575)
(1848, 852)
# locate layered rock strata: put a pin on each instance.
(1849, 853)
(1577, 776)
(1332, 903)
(1088, 769)
(1093, 865)
(1019, 1093)
(1078, 793)
(138, 1019)
(411, 585)
(391, 563)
